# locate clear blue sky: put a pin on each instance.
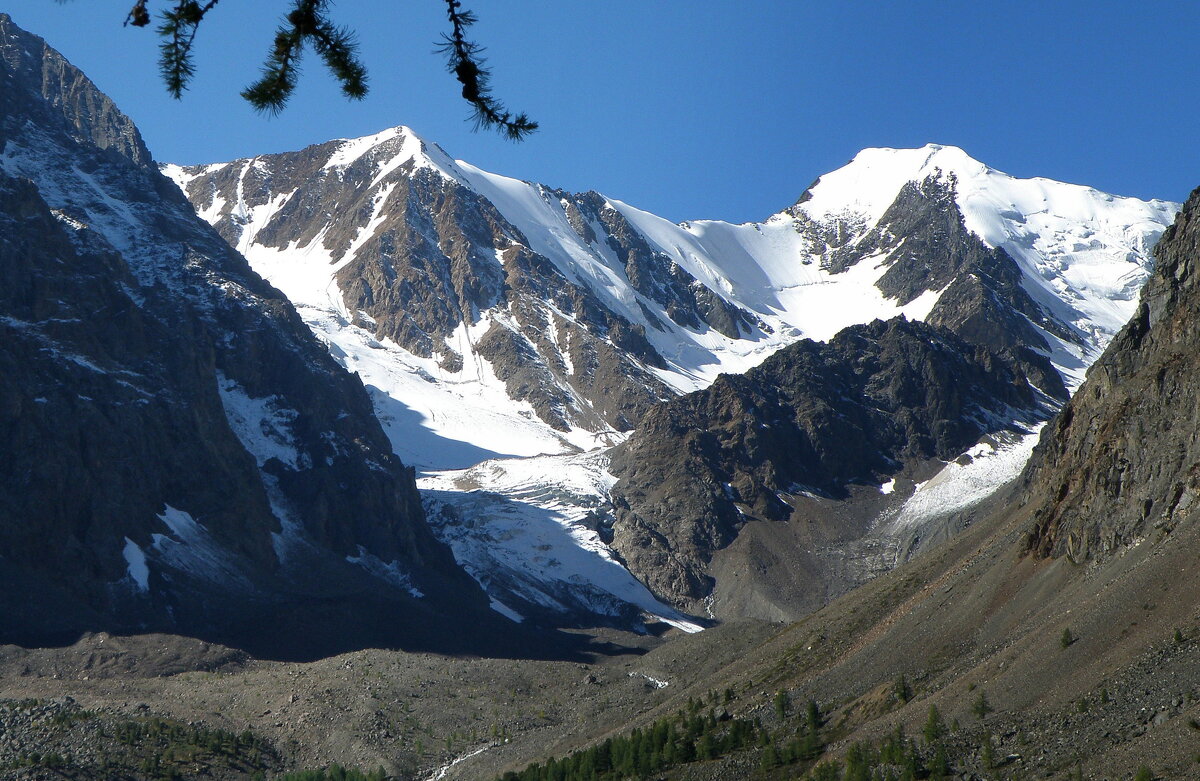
(697, 108)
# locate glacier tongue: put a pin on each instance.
(530, 531)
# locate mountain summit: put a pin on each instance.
(493, 319)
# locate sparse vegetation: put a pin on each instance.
(981, 707)
(333, 773)
(76, 743)
(1066, 639)
(687, 736)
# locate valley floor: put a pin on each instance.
(416, 715)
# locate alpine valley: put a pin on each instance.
(360, 454)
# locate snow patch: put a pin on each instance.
(657, 683)
(505, 610)
(387, 571)
(263, 426)
(960, 486)
(137, 570)
(191, 548)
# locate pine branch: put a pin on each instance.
(464, 59)
(336, 46)
(178, 30)
(308, 22)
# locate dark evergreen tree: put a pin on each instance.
(981, 707)
(935, 728)
(783, 704)
(812, 716)
(770, 757)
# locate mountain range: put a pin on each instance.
(494, 319)
(360, 449)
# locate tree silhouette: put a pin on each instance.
(308, 23)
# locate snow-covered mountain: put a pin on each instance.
(495, 318)
(356, 229)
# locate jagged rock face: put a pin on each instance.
(929, 248)
(422, 256)
(1121, 462)
(684, 299)
(814, 418)
(180, 451)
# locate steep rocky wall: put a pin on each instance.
(179, 451)
(813, 418)
(1121, 462)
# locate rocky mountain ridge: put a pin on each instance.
(1120, 463)
(492, 318)
(589, 310)
(180, 452)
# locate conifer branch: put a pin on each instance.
(464, 59)
(307, 22)
(178, 30)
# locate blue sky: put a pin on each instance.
(700, 109)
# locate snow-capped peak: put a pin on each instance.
(868, 184)
(388, 150)
(1082, 254)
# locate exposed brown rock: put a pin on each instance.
(1121, 462)
(814, 418)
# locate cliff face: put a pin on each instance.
(179, 451)
(418, 257)
(813, 420)
(1122, 461)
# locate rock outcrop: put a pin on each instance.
(1121, 462)
(814, 419)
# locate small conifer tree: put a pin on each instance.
(783, 704)
(981, 707)
(935, 728)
